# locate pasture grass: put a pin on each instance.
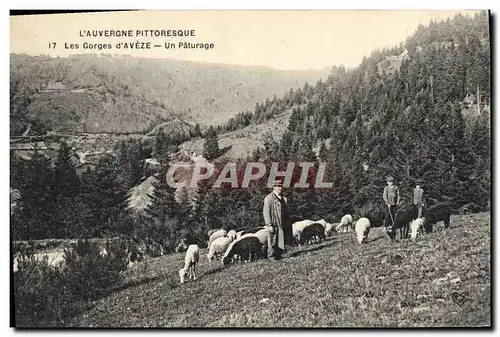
(337, 283)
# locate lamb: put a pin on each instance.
(436, 213)
(345, 224)
(215, 235)
(416, 227)
(314, 230)
(247, 247)
(190, 261)
(218, 247)
(362, 229)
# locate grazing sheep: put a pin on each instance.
(345, 224)
(311, 231)
(215, 235)
(362, 229)
(247, 248)
(262, 235)
(330, 229)
(299, 226)
(416, 227)
(436, 213)
(231, 234)
(190, 261)
(218, 247)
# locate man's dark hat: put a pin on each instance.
(389, 178)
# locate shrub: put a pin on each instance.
(45, 296)
(41, 296)
(91, 275)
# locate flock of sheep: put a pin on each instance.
(250, 243)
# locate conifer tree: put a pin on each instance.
(211, 146)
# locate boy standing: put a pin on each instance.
(418, 198)
(391, 200)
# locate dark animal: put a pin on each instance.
(373, 212)
(436, 213)
(402, 219)
(248, 248)
(310, 232)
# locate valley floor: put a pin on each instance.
(337, 283)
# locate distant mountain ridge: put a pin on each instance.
(108, 94)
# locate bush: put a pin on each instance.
(91, 275)
(41, 297)
(45, 296)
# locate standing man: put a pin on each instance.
(276, 217)
(418, 198)
(391, 200)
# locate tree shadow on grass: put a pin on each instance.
(313, 248)
(215, 270)
(378, 238)
(137, 282)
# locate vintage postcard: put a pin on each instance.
(255, 169)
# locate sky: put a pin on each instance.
(278, 39)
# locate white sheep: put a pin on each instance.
(416, 227)
(330, 228)
(262, 235)
(231, 234)
(362, 229)
(218, 247)
(190, 261)
(298, 226)
(322, 222)
(345, 223)
(247, 243)
(215, 235)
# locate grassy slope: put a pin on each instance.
(241, 143)
(336, 283)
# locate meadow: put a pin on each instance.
(336, 283)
